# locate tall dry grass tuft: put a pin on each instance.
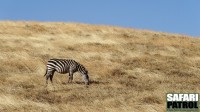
(130, 70)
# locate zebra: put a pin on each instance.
(65, 66)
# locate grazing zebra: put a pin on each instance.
(65, 66)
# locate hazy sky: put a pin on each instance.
(173, 16)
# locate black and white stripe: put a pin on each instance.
(65, 66)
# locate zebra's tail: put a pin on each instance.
(45, 73)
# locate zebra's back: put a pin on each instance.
(61, 65)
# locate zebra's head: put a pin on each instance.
(84, 72)
(86, 77)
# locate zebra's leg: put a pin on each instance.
(70, 78)
(70, 75)
(51, 79)
(51, 76)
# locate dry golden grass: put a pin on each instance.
(131, 70)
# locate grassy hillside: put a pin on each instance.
(130, 70)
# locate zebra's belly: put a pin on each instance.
(63, 71)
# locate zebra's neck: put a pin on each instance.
(82, 69)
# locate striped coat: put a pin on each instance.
(64, 66)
